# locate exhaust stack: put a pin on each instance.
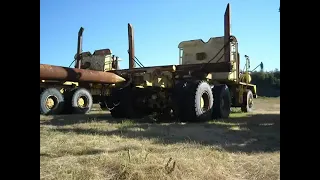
(227, 33)
(79, 49)
(131, 47)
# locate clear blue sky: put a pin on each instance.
(159, 26)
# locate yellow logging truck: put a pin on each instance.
(205, 85)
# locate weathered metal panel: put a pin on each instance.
(101, 60)
(212, 48)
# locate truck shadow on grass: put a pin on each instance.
(63, 120)
(250, 134)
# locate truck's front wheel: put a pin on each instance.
(222, 102)
(247, 105)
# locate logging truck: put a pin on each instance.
(204, 85)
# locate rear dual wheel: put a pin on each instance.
(120, 103)
(193, 101)
(197, 101)
(123, 103)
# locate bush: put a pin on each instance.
(268, 83)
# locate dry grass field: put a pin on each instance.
(96, 147)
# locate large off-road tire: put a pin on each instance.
(81, 101)
(222, 102)
(103, 106)
(117, 103)
(51, 102)
(121, 103)
(195, 101)
(247, 105)
(178, 98)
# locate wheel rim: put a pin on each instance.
(204, 102)
(51, 102)
(82, 102)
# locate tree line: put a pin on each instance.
(268, 82)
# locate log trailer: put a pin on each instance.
(205, 85)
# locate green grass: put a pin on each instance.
(245, 146)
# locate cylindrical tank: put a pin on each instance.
(49, 72)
